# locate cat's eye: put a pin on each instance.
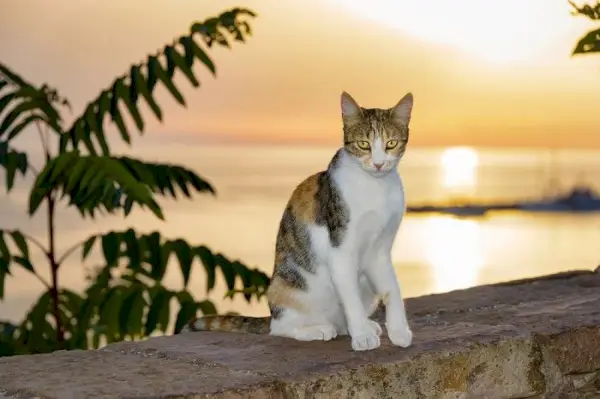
(363, 145)
(391, 144)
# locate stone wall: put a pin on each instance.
(537, 338)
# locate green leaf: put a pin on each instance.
(207, 307)
(110, 248)
(590, 43)
(122, 177)
(11, 172)
(246, 276)
(15, 113)
(155, 258)
(200, 55)
(139, 83)
(161, 178)
(158, 302)
(115, 112)
(184, 297)
(96, 337)
(6, 100)
(134, 252)
(110, 310)
(132, 312)
(31, 100)
(156, 70)
(208, 261)
(25, 263)
(227, 270)
(61, 164)
(101, 173)
(26, 122)
(76, 173)
(164, 316)
(185, 256)
(13, 76)
(123, 91)
(12, 161)
(183, 64)
(136, 316)
(4, 248)
(82, 132)
(93, 122)
(3, 272)
(71, 301)
(186, 313)
(591, 12)
(87, 247)
(40, 326)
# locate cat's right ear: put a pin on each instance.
(351, 111)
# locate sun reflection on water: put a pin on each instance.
(454, 250)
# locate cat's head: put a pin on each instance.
(374, 137)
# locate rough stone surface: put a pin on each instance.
(536, 338)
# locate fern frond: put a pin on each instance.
(88, 182)
(23, 104)
(97, 183)
(149, 255)
(142, 79)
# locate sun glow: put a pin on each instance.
(454, 251)
(499, 32)
(459, 168)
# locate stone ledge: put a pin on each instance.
(535, 338)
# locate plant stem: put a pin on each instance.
(51, 253)
(60, 336)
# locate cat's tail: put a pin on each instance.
(229, 323)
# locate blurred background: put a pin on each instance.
(503, 114)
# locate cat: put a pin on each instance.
(333, 250)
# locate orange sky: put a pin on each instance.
(482, 73)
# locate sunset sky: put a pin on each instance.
(482, 73)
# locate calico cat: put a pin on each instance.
(333, 250)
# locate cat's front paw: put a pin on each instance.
(367, 338)
(400, 336)
(376, 327)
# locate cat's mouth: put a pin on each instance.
(379, 172)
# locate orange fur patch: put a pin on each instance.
(282, 295)
(302, 201)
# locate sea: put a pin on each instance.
(432, 253)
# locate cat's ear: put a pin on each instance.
(350, 109)
(401, 112)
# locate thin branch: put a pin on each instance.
(36, 243)
(44, 282)
(44, 140)
(47, 135)
(69, 251)
(41, 247)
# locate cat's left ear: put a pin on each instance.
(351, 111)
(401, 112)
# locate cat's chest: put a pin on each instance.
(373, 199)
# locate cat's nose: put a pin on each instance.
(378, 165)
